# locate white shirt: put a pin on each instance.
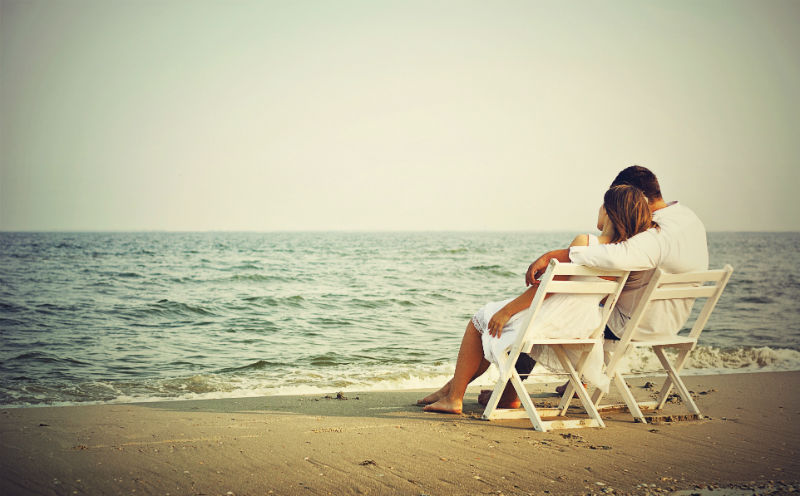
(677, 245)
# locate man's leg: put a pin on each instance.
(607, 334)
(509, 398)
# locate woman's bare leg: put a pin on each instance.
(470, 365)
(444, 390)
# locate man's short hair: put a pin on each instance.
(642, 178)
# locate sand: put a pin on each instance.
(381, 443)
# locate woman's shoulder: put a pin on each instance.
(581, 240)
(603, 240)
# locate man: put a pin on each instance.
(676, 244)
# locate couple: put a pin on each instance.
(640, 232)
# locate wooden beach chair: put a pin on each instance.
(704, 284)
(526, 341)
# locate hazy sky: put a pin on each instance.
(393, 115)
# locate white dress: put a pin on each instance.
(560, 316)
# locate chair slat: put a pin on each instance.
(571, 423)
(570, 269)
(578, 341)
(703, 276)
(582, 287)
(664, 342)
(695, 292)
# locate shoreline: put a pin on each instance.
(486, 381)
(381, 443)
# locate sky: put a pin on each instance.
(393, 115)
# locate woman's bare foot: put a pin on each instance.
(445, 405)
(435, 396)
(431, 398)
(485, 394)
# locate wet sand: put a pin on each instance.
(381, 443)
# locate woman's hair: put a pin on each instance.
(628, 211)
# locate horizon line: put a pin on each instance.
(297, 231)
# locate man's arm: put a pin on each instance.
(538, 267)
(641, 252)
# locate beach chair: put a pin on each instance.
(525, 341)
(704, 284)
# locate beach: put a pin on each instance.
(382, 443)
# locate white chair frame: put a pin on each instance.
(526, 341)
(703, 284)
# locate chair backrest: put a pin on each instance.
(555, 280)
(663, 286)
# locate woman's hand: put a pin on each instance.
(497, 322)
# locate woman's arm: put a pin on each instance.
(524, 300)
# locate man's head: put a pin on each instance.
(642, 178)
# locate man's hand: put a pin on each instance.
(538, 267)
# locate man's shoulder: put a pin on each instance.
(676, 212)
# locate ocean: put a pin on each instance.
(122, 317)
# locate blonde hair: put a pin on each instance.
(628, 211)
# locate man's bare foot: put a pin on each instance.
(445, 405)
(563, 388)
(485, 394)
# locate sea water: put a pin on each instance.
(117, 317)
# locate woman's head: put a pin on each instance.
(627, 211)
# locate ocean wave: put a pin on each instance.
(708, 359)
(271, 301)
(493, 269)
(7, 307)
(260, 381)
(51, 308)
(248, 266)
(168, 308)
(330, 359)
(130, 275)
(449, 251)
(253, 278)
(48, 358)
(756, 299)
(331, 322)
(257, 365)
(380, 303)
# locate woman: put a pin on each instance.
(624, 213)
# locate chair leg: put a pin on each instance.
(499, 387)
(525, 398)
(683, 355)
(611, 365)
(563, 405)
(627, 396)
(664, 393)
(596, 397)
(575, 381)
(676, 380)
